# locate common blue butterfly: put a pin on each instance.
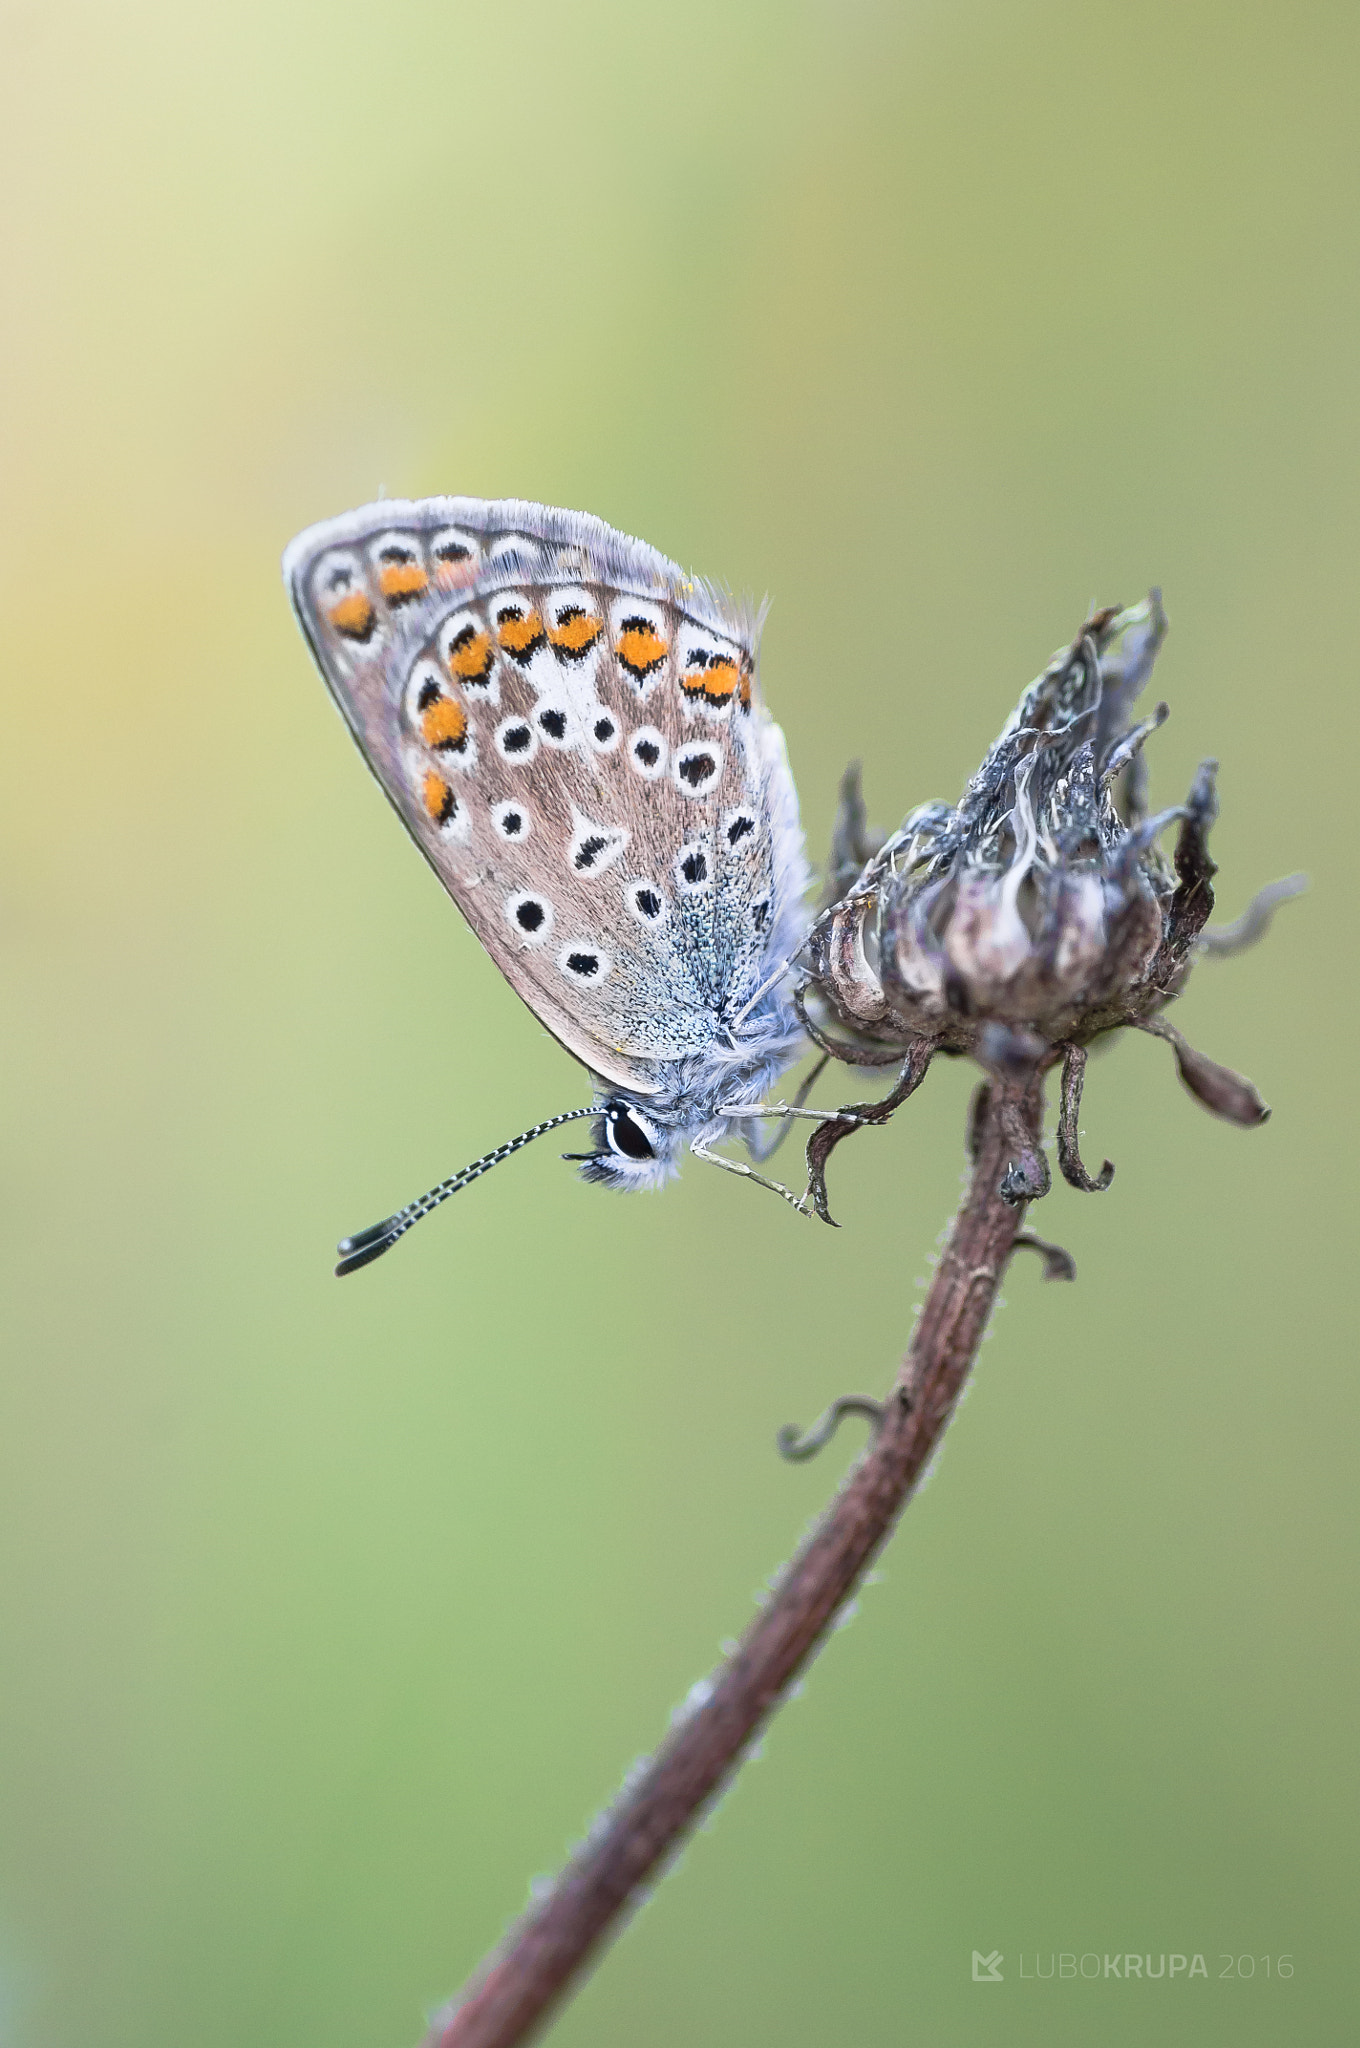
(571, 730)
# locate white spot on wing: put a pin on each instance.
(696, 767)
(516, 551)
(512, 821)
(601, 728)
(516, 741)
(694, 867)
(643, 741)
(584, 963)
(529, 915)
(556, 722)
(648, 904)
(594, 847)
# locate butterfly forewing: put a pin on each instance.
(569, 729)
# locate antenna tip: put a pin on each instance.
(364, 1247)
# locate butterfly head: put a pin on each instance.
(632, 1149)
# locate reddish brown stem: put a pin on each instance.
(560, 1935)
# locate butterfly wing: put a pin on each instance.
(570, 730)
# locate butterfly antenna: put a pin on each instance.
(367, 1245)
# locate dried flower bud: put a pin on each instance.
(1039, 911)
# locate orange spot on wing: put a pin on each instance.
(444, 724)
(721, 678)
(640, 647)
(353, 616)
(439, 799)
(520, 633)
(399, 582)
(744, 693)
(576, 631)
(470, 655)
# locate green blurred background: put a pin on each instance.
(332, 1613)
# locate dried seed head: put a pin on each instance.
(1039, 911)
(1041, 899)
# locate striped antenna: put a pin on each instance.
(370, 1244)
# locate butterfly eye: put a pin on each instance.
(628, 1133)
(709, 673)
(519, 630)
(595, 847)
(441, 806)
(639, 645)
(345, 600)
(466, 648)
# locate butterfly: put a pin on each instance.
(572, 731)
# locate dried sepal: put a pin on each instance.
(858, 1052)
(854, 1116)
(1128, 642)
(1127, 750)
(1058, 1263)
(839, 958)
(1192, 900)
(854, 841)
(1069, 1150)
(1227, 1094)
(1220, 942)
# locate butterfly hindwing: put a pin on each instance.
(569, 729)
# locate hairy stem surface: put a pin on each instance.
(546, 1952)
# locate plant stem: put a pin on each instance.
(542, 1956)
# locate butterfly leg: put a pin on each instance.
(786, 1112)
(762, 1149)
(701, 1151)
(792, 1109)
